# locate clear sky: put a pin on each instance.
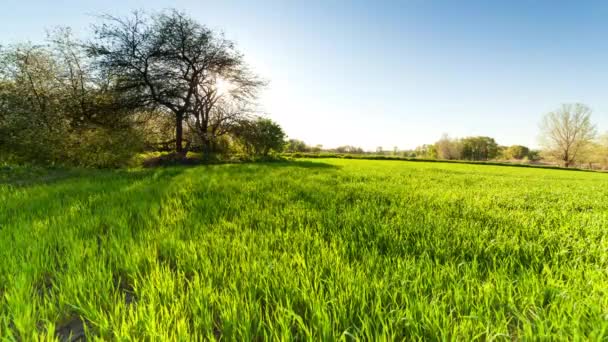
(390, 73)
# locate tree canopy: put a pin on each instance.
(169, 62)
(260, 136)
(151, 82)
(566, 132)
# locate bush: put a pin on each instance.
(518, 152)
(53, 111)
(260, 137)
(103, 148)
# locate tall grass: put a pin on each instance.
(324, 249)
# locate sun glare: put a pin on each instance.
(223, 86)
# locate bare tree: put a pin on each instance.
(448, 148)
(222, 105)
(566, 132)
(602, 150)
(172, 63)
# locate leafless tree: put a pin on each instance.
(448, 148)
(566, 132)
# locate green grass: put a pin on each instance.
(323, 249)
(368, 156)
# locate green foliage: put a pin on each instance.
(478, 148)
(223, 145)
(295, 145)
(349, 149)
(54, 111)
(104, 148)
(317, 148)
(469, 148)
(99, 104)
(448, 148)
(426, 151)
(534, 155)
(315, 250)
(32, 125)
(158, 130)
(260, 136)
(601, 151)
(518, 152)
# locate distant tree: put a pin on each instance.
(317, 148)
(478, 148)
(408, 153)
(501, 152)
(349, 149)
(566, 132)
(448, 148)
(426, 151)
(534, 155)
(602, 150)
(342, 149)
(260, 136)
(295, 145)
(356, 150)
(379, 150)
(595, 154)
(516, 152)
(170, 63)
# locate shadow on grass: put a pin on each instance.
(255, 169)
(425, 160)
(21, 176)
(300, 164)
(70, 186)
(30, 176)
(48, 196)
(281, 162)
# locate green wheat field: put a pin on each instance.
(324, 249)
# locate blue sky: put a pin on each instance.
(383, 73)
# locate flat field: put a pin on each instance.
(326, 249)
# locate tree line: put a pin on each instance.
(567, 137)
(145, 82)
(478, 148)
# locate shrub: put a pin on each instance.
(103, 148)
(260, 137)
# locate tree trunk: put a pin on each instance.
(179, 133)
(206, 142)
